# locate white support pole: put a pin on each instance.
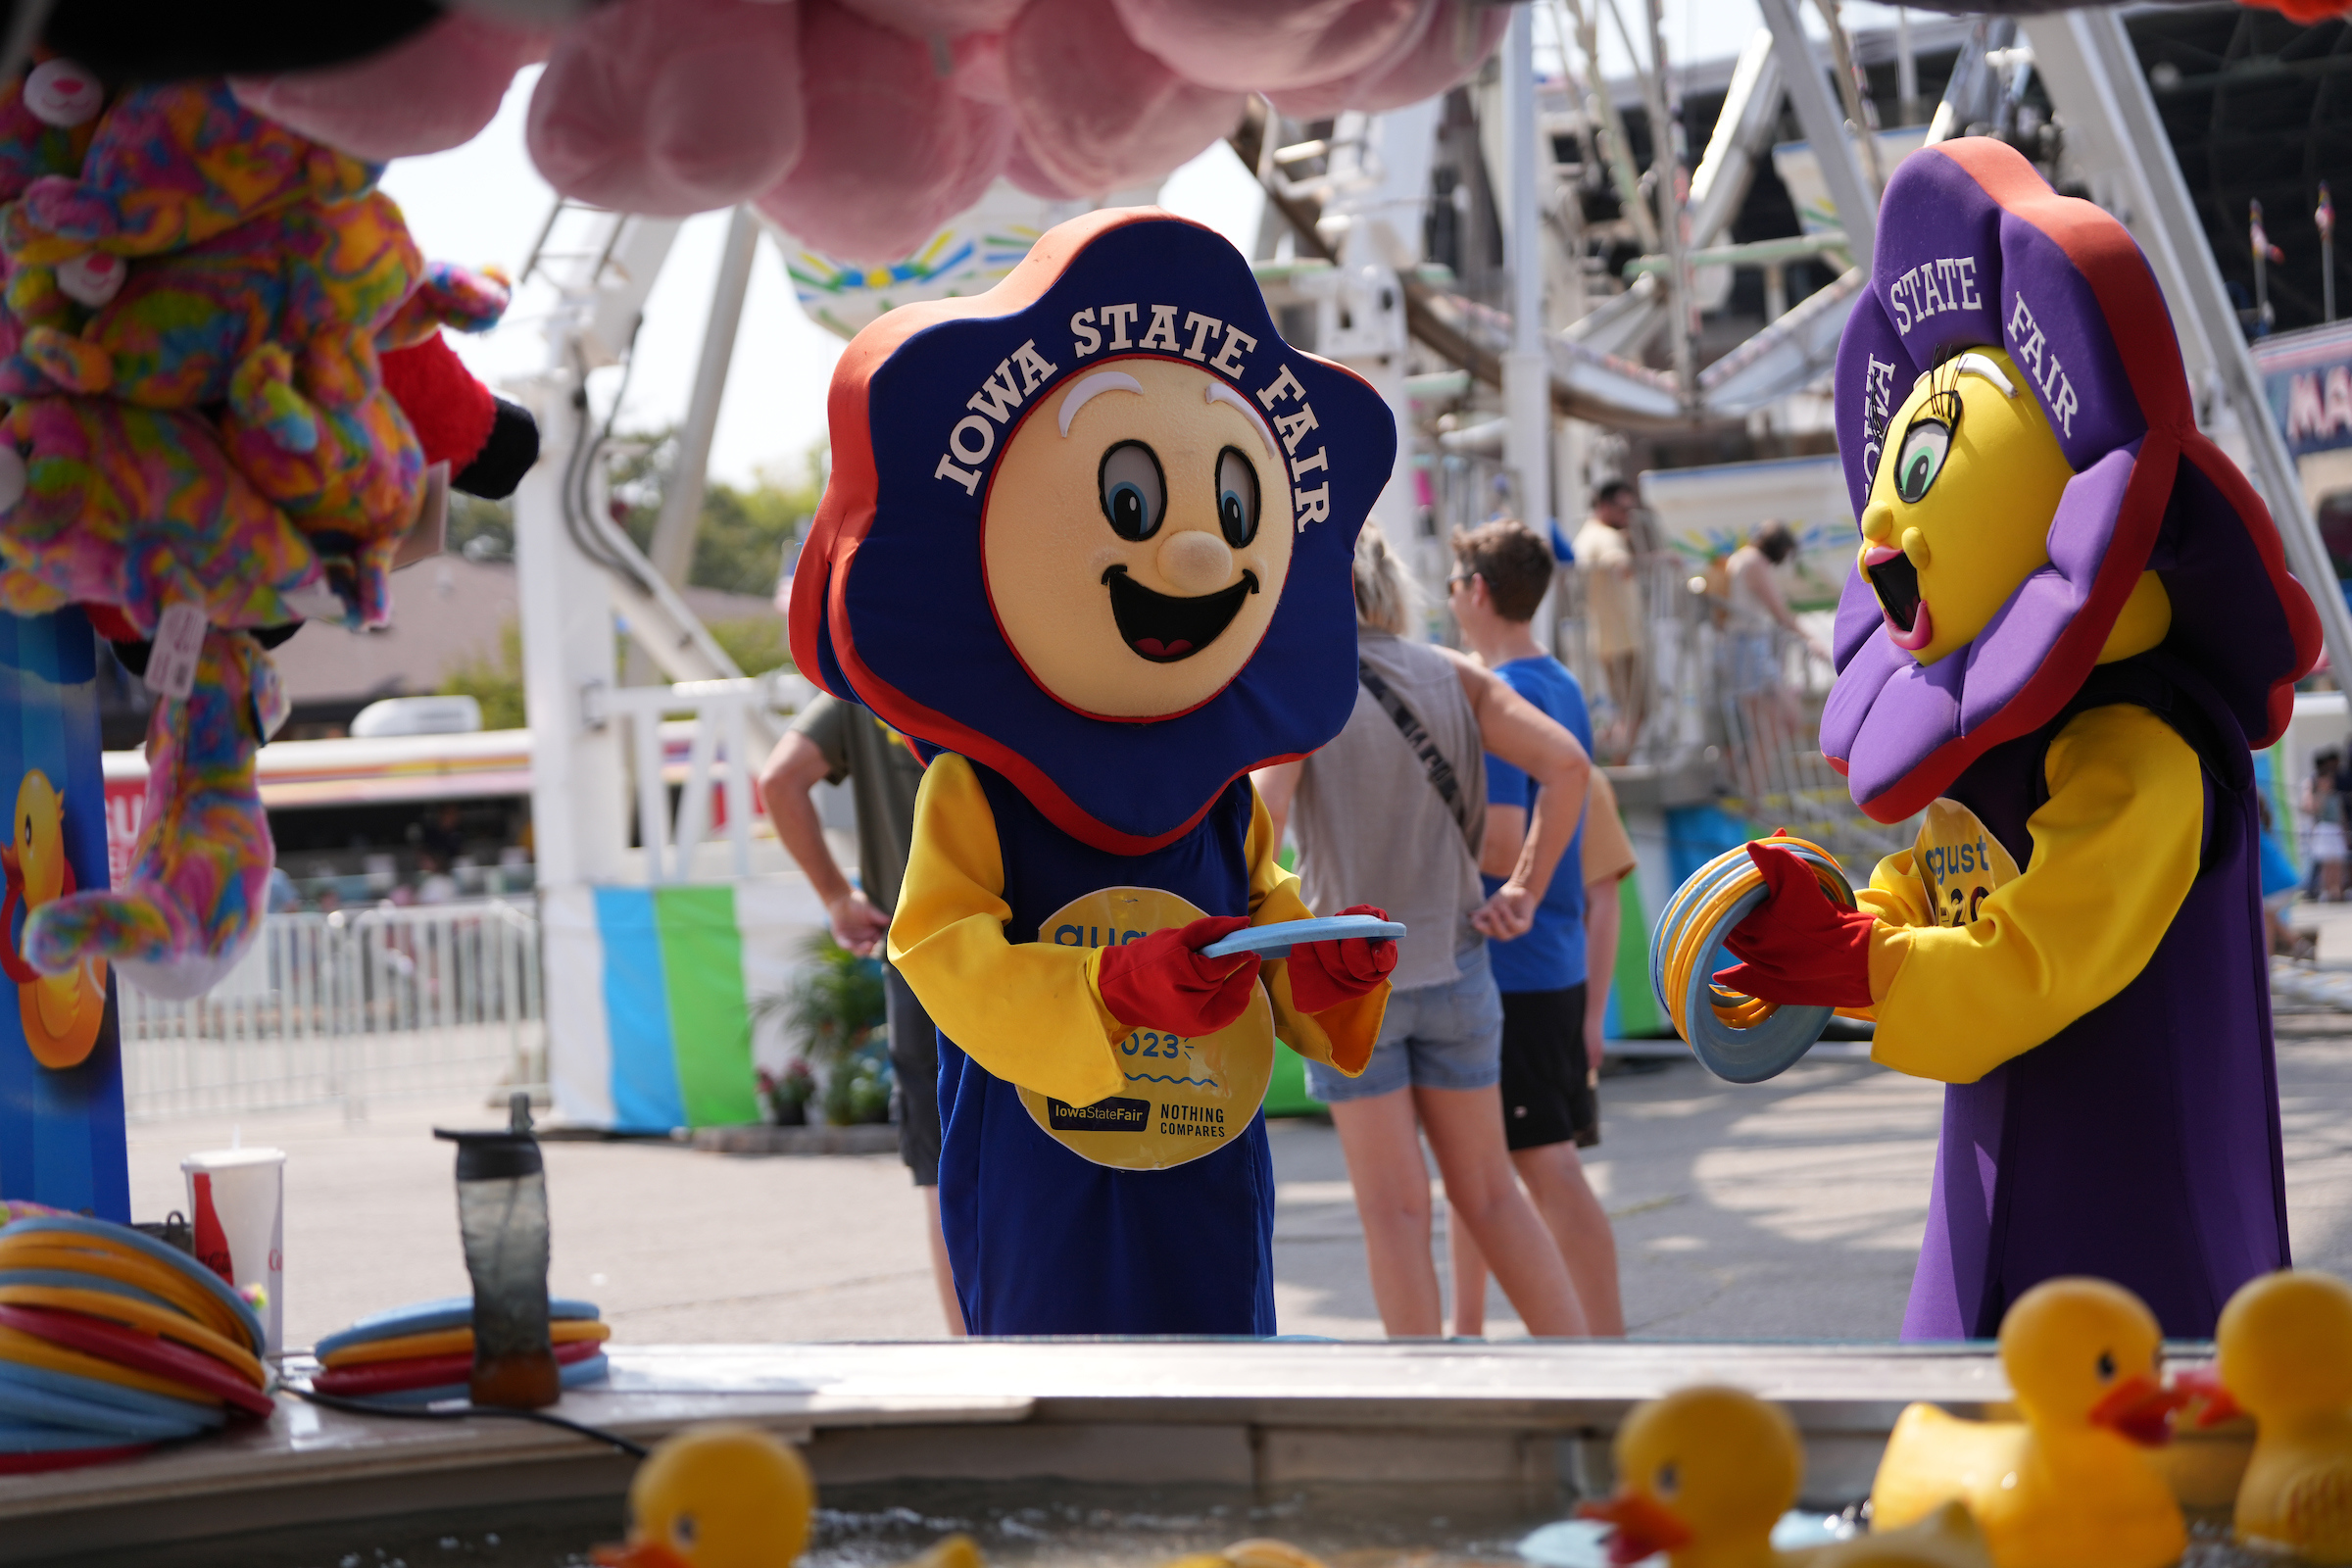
(1526, 370)
(577, 826)
(2088, 64)
(1824, 124)
(673, 549)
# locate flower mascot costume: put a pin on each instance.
(2068, 622)
(1087, 544)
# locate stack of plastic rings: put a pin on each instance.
(1737, 1038)
(423, 1353)
(111, 1342)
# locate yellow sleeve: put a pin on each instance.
(1340, 1037)
(1896, 895)
(1028, 1012)
(2115, 849)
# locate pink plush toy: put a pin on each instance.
(431, 92)
(938, 19)
(169, 166)
(669, 107)
(892, 152)
(1267, 44)
(1097, 113)
(1448, 47)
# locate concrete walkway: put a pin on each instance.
(1789, 1210)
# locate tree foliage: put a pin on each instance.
(741, 543)
(494, 680)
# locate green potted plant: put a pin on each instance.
(835, 1012)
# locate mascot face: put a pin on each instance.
(1137, 539)
(1960, 508)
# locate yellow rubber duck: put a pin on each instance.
(729, 1496)
(1704, 1474)
(61, 1012)
(2072, 1485)
(2284, 1345)
(1256, 1552)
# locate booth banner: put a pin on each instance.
(1703, 515)
(2307, 377)
(61, 1061)
(650, 997)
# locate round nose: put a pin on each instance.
(1194, 561)
(1878, 524)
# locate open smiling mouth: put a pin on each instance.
(1895, 580)
(1166, 629)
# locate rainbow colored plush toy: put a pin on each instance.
(169, 166)
(196, 301)
(199, 881)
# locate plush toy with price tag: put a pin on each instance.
(1087, 541)
(204, 445)
(2070, 619)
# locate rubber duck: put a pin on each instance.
(61, 1012)
(2071, 1485)
(1256, 1552)
(1702, 1476)
(722, 1496)
(1705, 1473)
(2284, 1344)
(1947, 1538)
(729, 1496)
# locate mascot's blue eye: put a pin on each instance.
(1237, 498)
(1134, 496)
(1921, 458)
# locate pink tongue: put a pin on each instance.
(1158, 650)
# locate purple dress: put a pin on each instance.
(2140, 1143)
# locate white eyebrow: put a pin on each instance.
(1219, 392)
(1978, 365)
(1098, 382)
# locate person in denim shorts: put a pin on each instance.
(1387, 813)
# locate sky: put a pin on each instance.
(484, 204)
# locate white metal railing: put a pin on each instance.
(346, 1006)
(725, 713)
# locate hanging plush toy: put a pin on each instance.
(169, 166)
(1088, 539)
(139, 508)
(200, 875)
(200, 429)
(2068, 622)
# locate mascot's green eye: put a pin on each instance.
(1237, 498)
(1133, 493)
(1921, 458)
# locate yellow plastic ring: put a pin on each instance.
(144, 1318)
(123, 1267)
(1688, 943)
(452, 1342)
(26, 1351)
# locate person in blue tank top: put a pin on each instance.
(1502, 571)
(1088, 542)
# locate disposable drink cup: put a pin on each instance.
(237, 1205)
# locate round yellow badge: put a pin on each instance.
(1185, 1097)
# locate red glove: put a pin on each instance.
(1324, 974)
(1799, 947)
(1162, 982)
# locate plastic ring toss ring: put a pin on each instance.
(1740, 1038)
